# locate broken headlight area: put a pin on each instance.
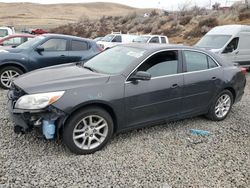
(35, 111)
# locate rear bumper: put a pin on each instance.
(240, 92)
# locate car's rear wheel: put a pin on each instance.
(7, 75)
(221, 106)
(88, 130)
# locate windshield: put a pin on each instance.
(141, 39)
(213, 41)
(3, 32)
(31, 43)
(108, 38)
(114, 60)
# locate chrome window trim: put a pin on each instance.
(183, 73)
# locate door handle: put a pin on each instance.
(63, 56)
(174, 86)
(213, 78)
(236, 52)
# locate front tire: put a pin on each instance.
(221, 106)
(7, 75)
(88, 130)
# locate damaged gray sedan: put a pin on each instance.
(123, 88)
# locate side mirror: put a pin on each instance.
(140, 75)
(13, 46)
(39, 49)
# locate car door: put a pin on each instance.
(242, 53)
(231, 50)
(159, 97)
(55, 51)
(201, 81)
(80, 50)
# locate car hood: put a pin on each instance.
(10, 50)
(58, 78)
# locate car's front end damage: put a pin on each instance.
(45, 118)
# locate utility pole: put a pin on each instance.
(247, 5)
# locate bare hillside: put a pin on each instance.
(186, 26)
(47, 16)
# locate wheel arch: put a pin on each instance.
(98, 104)
(232, 90)
(14, 64)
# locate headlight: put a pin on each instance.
(38, 101)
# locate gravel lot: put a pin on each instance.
(152, 157)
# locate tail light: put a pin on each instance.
(244, 71)
(99, 48)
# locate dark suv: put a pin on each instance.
(43, 51)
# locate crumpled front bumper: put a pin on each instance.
(17, 118)
(27, 120)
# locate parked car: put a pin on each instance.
(43, 51)
(229, 41)
(14, 40)
(114, 39)
(125, 87)
(38, 31)
(4, 31)
(151, 39)
(98, 39)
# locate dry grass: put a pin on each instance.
(49, 16)
(98, 19)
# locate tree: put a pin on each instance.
(216, 6)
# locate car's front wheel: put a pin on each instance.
(221, 106)
(88, 130)
(7, 75)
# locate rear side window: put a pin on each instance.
(55, 45)
(161, 64)
(196, 61)
(211, 63)
(163, 40)
(118, 38)
(79, 45)
(154, 40)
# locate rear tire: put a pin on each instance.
(221, 106)
(88, 130)
(7, 75)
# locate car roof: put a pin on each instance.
(17, 35)
(229, 29)
(66, 36)
(151, 36)
(152, 48)
(156, 47)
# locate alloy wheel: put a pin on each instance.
(223, 106)
(8, 76)
(90, 132)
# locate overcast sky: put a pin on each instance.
(166, 4)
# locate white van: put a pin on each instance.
(151, 39)
(113, 39)
(232, 42)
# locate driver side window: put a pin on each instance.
(117, 38)
(233, 45)
(55, 45)
(161, 64)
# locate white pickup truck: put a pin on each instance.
(4, 31)
(114, 39)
